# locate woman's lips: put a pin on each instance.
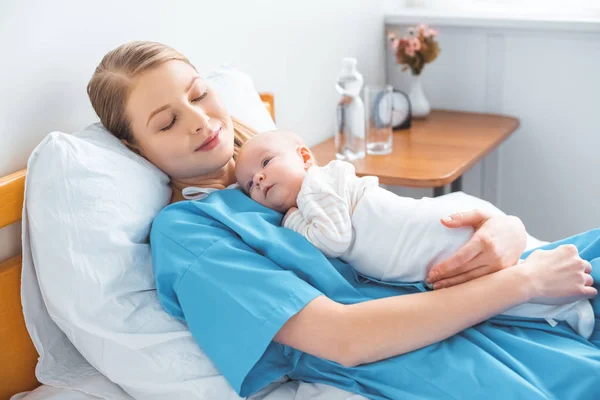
(211, 142)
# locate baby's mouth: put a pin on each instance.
(266, 191)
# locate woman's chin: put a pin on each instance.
(217, 158)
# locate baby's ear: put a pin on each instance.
(307, 157)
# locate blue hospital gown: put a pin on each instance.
(226, 267)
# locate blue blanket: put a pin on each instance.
(225, 267)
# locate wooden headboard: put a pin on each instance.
(18, 356)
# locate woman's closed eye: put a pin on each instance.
(197, 99)
(202, 96)
(166, 128)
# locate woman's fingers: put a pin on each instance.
(588, 280)
(465, 277)
(452, 266)
(476, 262)
(590, 292)
(470, 218)
(588, 268)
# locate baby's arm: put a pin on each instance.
(324, 219)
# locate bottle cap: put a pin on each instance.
(349, 63)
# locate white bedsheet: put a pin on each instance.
(292, 390)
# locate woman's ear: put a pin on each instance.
(133, 147)
(306, 156)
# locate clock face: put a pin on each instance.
(397, 112)
(401, 108)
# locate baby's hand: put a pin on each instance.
(288, 213)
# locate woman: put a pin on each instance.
(263, 303)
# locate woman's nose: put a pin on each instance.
(201, 121)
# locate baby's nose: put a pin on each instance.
(258, 178)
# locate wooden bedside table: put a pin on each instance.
(434, 152)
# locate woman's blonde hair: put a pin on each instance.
(110, 85)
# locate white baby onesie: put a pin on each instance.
(393, 238)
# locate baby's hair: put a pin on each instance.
(286, 137)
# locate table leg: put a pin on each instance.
(456, 186)
(439, 191)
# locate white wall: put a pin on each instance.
(547, 172)
(291, 48)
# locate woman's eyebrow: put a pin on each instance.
(153, 113)
(191, 83)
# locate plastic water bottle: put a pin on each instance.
(350, 116)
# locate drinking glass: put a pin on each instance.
(378, 104)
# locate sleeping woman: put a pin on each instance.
(263, 303)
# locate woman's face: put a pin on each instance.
(178, 122)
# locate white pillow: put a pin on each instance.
(88, 210)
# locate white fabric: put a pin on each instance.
(326, 202)
(199, 193)
(46, 392)
(292, 390)
(393, 238)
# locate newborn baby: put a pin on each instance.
(381, 235)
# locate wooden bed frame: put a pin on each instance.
(18, 356)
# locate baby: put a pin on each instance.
(381, 235)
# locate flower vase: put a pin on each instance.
(419, 105)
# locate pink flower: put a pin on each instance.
(432, 33)
(409, 51)
(422, 28)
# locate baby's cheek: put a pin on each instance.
(259, 199)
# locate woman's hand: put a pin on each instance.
(498, 242)
(558, 276)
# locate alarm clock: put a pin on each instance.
(401, 111)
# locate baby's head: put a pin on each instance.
(271, 166)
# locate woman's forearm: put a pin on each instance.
(397, 325)
(378, 329)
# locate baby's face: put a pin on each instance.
(271, 168)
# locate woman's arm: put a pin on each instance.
(378, 329)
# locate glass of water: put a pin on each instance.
(378, 104)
